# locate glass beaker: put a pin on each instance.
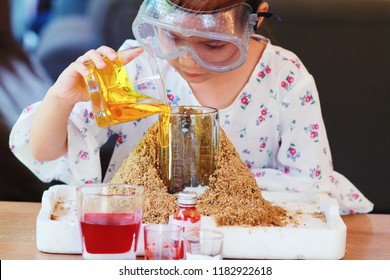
(162, 242)
(110, 218)
(116, 98)
(204, 244)
(189, 149)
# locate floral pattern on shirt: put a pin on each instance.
(88, 116)
(263, 143)
(83, 155)
(316, 172)
(312, 130)
(264, 115)
(288, 82)
(262, 74)
(307, 99)
(121, 139)
(245, 100)
(292, 152)
(173, 100)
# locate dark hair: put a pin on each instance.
(207, 5)
(10, 48)
(254, 4)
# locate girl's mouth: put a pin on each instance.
(190, 75)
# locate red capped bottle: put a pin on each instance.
(187, 216)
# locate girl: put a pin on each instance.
(268, 102)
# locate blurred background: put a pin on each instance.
(344, 44)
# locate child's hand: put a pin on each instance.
(70, 85)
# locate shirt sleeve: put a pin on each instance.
(82, 162)
(303, 161)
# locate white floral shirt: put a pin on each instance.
(275, 123)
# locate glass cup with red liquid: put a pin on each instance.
(162, 241)
(110, 218)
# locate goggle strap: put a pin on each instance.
(267, 15)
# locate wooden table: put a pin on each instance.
(368, 236)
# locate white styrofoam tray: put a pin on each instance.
(310, 238)
(62, 235)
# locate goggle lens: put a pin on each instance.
(210, 51)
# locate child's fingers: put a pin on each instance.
(108, 52)
(96, 56)
(129, 54)
(79, 67)
(93, 55)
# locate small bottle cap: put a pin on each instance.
(187, 197)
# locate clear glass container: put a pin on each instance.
(116, 98)
(189, 149)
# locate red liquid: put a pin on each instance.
(109, 233)
(152, 252)
(186, 214)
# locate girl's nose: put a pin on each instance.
(187, 60)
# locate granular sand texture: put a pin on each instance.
(232, 199)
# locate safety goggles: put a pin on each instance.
(217, 40)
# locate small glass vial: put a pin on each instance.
(187, 216)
